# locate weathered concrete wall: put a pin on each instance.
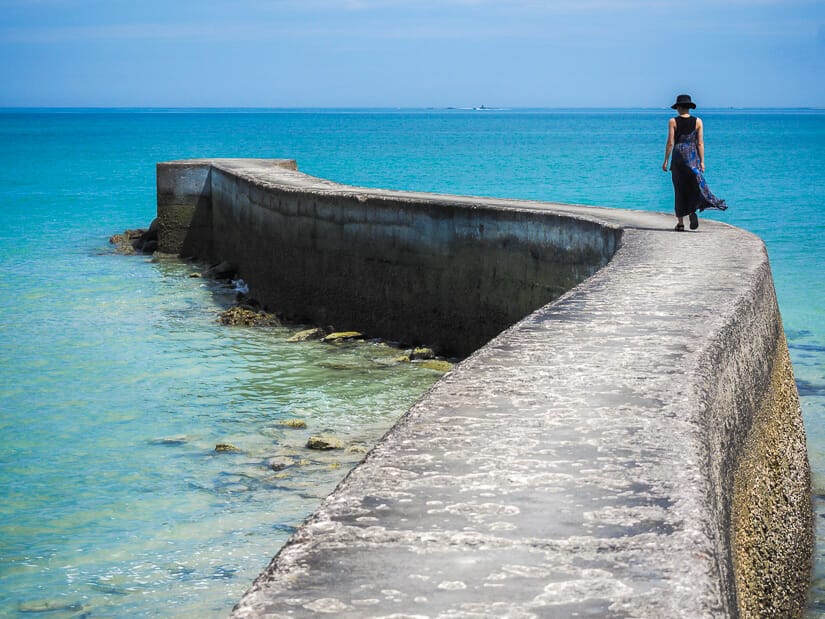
(632, 449)
(771, 482)
(185, 206)
(442, 274)
(445, 273)
(184, 209)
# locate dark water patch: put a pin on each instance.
(224, 572)
(111, 586)
(182, 572)
(807, 388)
(193, 485)
(816, 607)
(816, 348)
(169, 441)
(50, 606)
(284, 528)
(344, 366)
(797, 334)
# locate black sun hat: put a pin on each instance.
(683, 101)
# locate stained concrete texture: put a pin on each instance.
(579, 464)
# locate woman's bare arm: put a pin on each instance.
(700, 143)
(671, 131)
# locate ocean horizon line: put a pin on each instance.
(378, 109)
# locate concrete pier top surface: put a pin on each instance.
(582, 463)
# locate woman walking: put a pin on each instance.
(685, 139)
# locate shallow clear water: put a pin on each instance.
(117, 382)
(121, 385)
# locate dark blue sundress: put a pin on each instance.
(692, 191)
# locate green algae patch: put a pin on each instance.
(241, 316)
(439, 365)
(341, 336)
(307, 334)
(422, 353)
(293, 423)
(324, 443)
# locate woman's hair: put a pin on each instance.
(682, 109)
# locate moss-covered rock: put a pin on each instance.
(422, 353)
(143, 240)
(341, 336)
(279, 463)
(244, 316)
(293, 423)
(307, 334)
(226, 447)
(439, 365)
(324, 442)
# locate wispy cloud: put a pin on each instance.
(423, 20)
(548, 6)
(260, 31)
(63, 34)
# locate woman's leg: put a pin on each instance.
(694, 220)
(680, 205)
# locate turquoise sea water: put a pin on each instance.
(117, 382)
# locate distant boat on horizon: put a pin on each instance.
(481, 108)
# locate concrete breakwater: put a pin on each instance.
(630, 444)
(395, 265)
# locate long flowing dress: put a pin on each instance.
(691, 190)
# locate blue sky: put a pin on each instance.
(416, 53)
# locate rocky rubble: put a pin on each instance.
(247, 316)
(139, 240)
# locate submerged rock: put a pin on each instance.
(324, 442)
(439, 365)
(123, 242)
(178, 569)
(226, 447)
(245, 316)
(48, 606)
(340, 336)
(422, 353)
(307, 334)
(169, 440)
(119, 584)
(279, 463)
(339, 365)
(293, 423)
(138, 240)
